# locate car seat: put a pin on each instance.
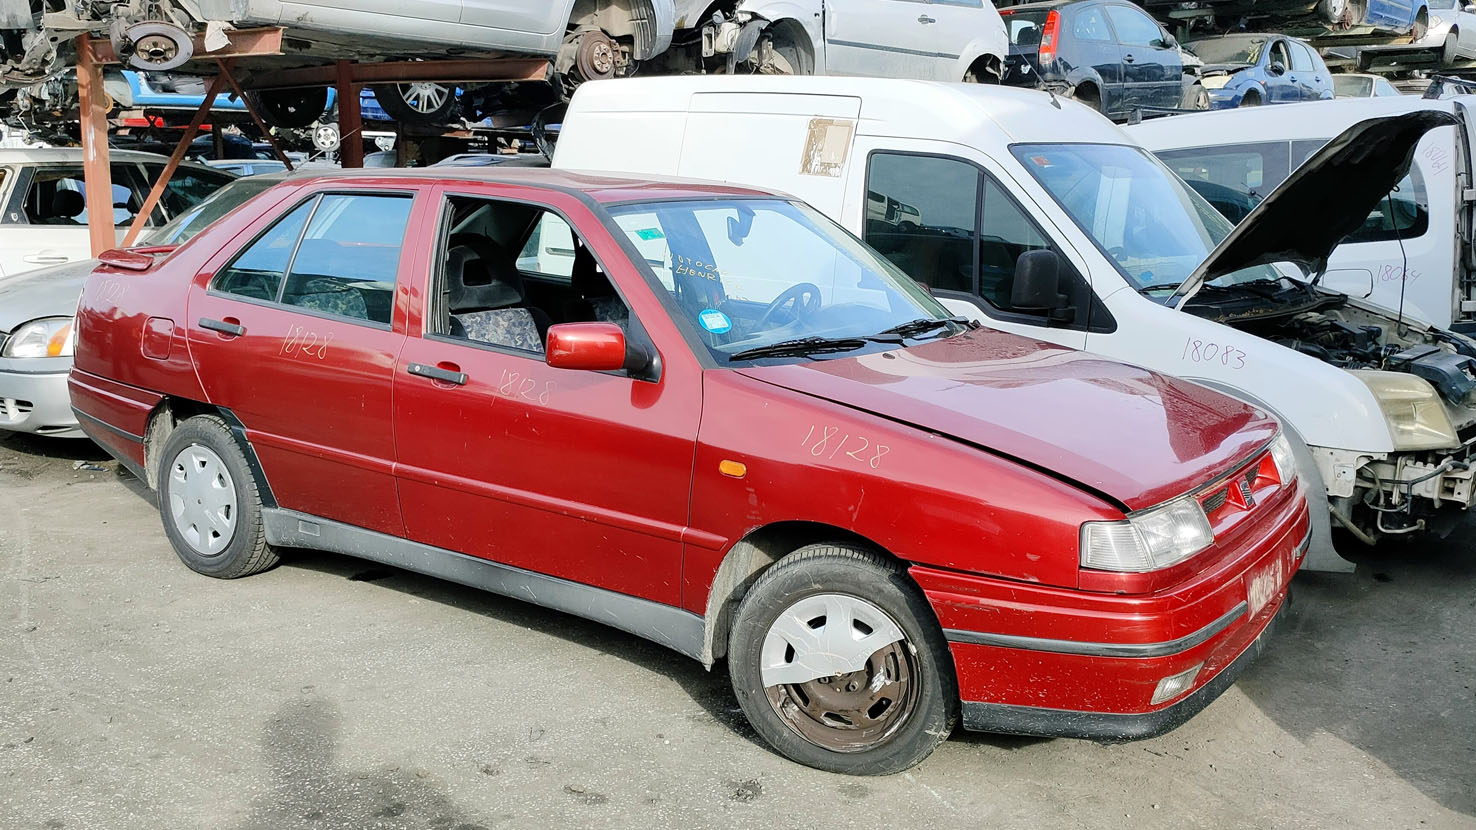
(485, 296)
(65, 207)
(595, 299)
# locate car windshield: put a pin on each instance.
(1228, 49)
(184, 226)
(1149, 223)
(752, 273)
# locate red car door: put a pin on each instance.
(580, 475)
(294, 331)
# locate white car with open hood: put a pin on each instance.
(1038, 216)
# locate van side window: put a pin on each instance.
(921, 212)
(1234, 177)
(1403, 214)
(1005, 234)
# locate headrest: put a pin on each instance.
(479, 277)
(67, 204)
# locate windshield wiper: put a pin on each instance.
(1163, 286)
(918, 326)
(801, 347)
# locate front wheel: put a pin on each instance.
(838, 662)
(420, 102)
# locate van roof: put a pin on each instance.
(1285, 122)
(974, 114)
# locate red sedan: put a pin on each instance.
(710, 417)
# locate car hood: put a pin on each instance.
(45, 292)
(1134, 436)
(1306, 216)
(1227, 68)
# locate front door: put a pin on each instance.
(579, 475)
(1152, 69)
(45, 222)
(891, 39)
(1087, 40)
(296, 336)
(1280, 87)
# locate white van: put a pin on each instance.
(993, 173)
(1414, 251)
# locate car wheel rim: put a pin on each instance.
(839, 672)
(202, 500)
(424, 98)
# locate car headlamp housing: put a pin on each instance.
(1215, 81)
(1147, 541)
(1286, 462)
(47, 337)
(1412, 409)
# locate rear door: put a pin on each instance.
(1152, 69)
(1307, 72)
(295, 332)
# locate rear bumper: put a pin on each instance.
(37, 401)
(1037, 660)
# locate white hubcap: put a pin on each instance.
(823, 636)
(202, 499)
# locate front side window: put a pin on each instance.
(1152, 226)
(1133, 27)
(751, 273)
(921, 212)
(1090, 25)
(334, 254)
(1278, 54)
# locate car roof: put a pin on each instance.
(42, 155)
(1241, 36)
(601, 187)
(1285, 122)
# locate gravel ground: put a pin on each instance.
(332, 693)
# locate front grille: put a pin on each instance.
(1216, 500)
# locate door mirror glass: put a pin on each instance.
(1037, 285)
(595, 347)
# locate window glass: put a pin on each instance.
(187, 187)
(1024, 28)
(749, 273)
(1233, 178)
(1228, 49)
(549, 251)
(1302, 58)
(1403, 214)
(1090, 25)
(185, 225)
(1278, 54)
(921, 213)
(1005, 234)
(1133, 27)
(348, 257)
(257, 271)
(1352, 86)
(58, 196)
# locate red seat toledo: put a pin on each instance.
(710, 417)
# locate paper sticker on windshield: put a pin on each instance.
(715, 321)
(649, 234)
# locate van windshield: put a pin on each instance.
(757, 275)
(1153, 227)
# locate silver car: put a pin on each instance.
(36, 311)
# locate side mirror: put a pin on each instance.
(1037, 286)
(1167, 42)
(1277, 69)
(597, 347)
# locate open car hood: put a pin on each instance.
(1132, 435)
(1306, 216)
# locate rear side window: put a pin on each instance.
(1091, 25)
(1301, 57)
(1133, 27)
(1234, 178)
(336, 254)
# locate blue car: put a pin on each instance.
(1251, 70)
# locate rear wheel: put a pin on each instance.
(421, 102)
(210, 501)
(839, 663)
(289, 107)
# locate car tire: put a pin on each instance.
(417, 103)
(289, 108)
(1335, 13)
(1450, 49)
(864, 725)
(221, 534)
(1420, 28)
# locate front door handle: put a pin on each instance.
(1127, 58)
(229, 327)
(925, 20)
(45, 259)
(452, 375)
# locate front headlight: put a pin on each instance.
(47, 337)
(1412, 409)
(1214, 81)
(1157, 538)
(1286, 463)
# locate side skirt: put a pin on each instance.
(671, 627)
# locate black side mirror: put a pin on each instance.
(1277, 69)
(1037, 286)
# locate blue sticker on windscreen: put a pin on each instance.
(715, 321)
(648, 234)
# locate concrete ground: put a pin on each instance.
(331, 693)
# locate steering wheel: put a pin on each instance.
(806, 299)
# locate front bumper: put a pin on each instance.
(1402, 480)
(33, 397)
(1223, 99)
(1063, 663)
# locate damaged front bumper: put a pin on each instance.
(1392, 493)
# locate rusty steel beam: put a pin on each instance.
(225, 72)
(97, 171)
(350, 122)
(157, 191)
(244, 43)
(491, 69)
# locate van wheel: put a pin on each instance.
(210, 501)
(838, 662)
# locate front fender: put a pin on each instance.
(804, 14)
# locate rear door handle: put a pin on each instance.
(925, 20)
(223, 326)
(437, 373)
